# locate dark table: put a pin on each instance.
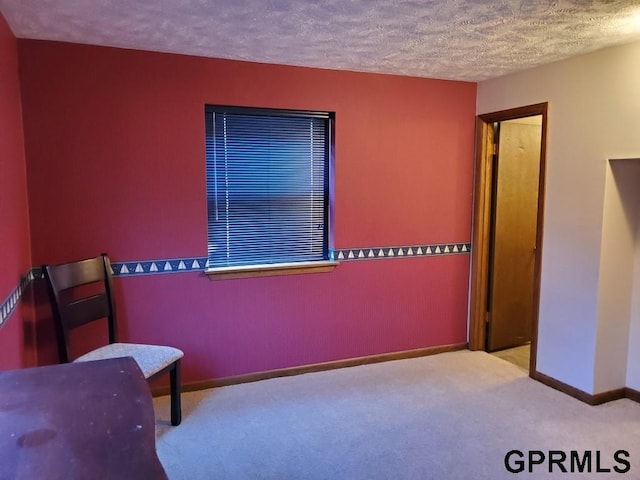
(91, 420)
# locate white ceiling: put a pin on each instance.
(454, 39)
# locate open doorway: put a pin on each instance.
(507, 233)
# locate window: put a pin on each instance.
(267, 188)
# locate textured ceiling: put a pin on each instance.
(454, 39)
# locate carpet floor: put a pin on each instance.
(449, 416)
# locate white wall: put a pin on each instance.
(619, 226)
(633, 362)
(594, 115)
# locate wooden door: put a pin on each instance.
(510, 302)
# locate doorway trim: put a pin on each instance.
(482, 225)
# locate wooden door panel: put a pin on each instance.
(512, 262)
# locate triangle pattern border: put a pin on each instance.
(199, 264)
(9, 304)
(400, 251)
(159, 266)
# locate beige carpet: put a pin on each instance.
(448, 416)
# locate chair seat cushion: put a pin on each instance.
(150, 358)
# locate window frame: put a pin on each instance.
(288, 268)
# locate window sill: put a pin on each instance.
(250, 271)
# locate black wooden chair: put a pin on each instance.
(74, 304)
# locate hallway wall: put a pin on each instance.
(594, 112)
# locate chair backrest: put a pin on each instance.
(71, 305)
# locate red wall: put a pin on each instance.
(15, 255)
(115, 153)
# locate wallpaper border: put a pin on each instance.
(198, 264)
(8, 306)
(422, 250)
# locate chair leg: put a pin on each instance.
(176, 409)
